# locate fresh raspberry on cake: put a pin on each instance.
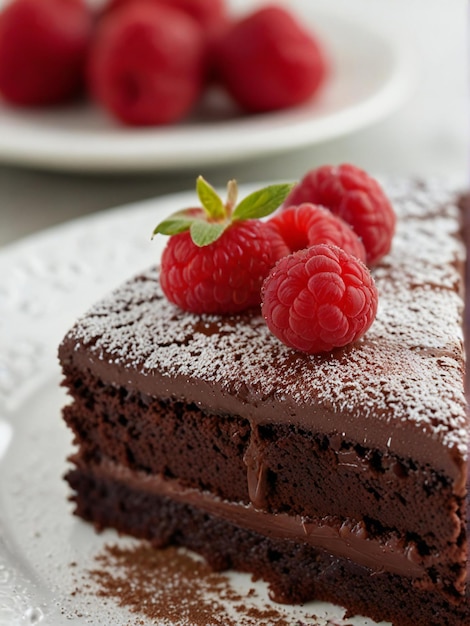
(43, 48)
(357, 198)
(309, 224)
(147, 64)
(218, 256)
(268, 60)
(318, 299)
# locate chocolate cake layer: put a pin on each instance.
(296, 571)
(214, 453)
(356, 459)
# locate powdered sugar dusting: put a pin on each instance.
(409, 367)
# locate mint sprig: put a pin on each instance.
(208, 223)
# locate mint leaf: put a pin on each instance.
(178, 222)
(262, 202)
(210, 200)
(204, 233)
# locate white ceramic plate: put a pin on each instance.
(46, 282)
(370, 78)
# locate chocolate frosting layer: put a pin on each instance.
(399, 389)
(342, 538)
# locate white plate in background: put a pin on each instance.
(370, 78)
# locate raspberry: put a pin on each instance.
(309, 224)
(318, 299)
(210, 14)
(43, 48)
(357, 198)
(223, 277)
(219, 254)
(267, 61)
(147, 64)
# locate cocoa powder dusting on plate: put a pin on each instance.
(163, 585)
(174, 587)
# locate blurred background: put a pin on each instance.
(416, 125)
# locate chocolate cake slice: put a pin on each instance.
(340, 477)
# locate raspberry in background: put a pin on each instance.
(309, 224)
(268, 61)
(219, 254)
(146, 64)
(43, 49)
(211, 15)
(318, 299)
(356, 197)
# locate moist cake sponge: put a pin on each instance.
(340, 477)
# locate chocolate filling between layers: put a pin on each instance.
(339, 537)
